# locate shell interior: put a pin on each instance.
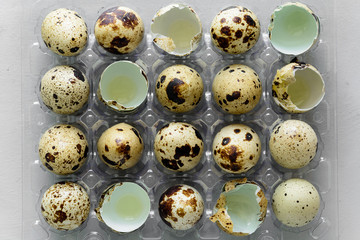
(126, 207)
(176, 29)
(294, 29)
(123, 85)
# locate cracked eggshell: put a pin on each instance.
(120, 146)
(237, 89)
(176, 29)
(293, 144)
(63, 149)
(178, 146)
(65, 205)
(179, 88)
(241, 207)
(64, 32)
(235, 30)
(298, 87)
(236, 148)
(119, 30)
(181, 207)
(64, 89)
(295, 202)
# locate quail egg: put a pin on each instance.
(241, 207)
(181, 207)
(235, 30)
(120, 146)
(295, 202)
(236, 148)
(64, 89)
(63, 149)
(64, 32)
(179, 88)
(124, 207)
(294, 28)
(178, 146)
(293, 144)
(237, 89)
(176, 29)
(119, 30)
(65, 205)
(298, 87)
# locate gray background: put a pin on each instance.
(348, 118)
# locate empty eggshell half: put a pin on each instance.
(123, 86)
(124, 207)
(298, 87)
(294, 28)
(176, 29)
(241, 207)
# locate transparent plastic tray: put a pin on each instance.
(206, 177)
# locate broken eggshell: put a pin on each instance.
(123, 207)
(176, 29)
(241, 207)
(294, 28)
(298, 87)
(123, 86)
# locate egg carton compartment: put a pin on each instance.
(207, 117)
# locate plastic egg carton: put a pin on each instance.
(94, 118)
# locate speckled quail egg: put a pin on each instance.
(237, 89)
(293, 144)
(64, 32)
(241, 207)
(295, 202)
(63, 149)
(236, 148)
(298, 87)
(179, 88)
(65, 205)
(64, 89)
(235, 30)
(181, 207)
(119, 30)
(178, 146)
(120, 146)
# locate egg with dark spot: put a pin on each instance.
(63, 149)
(64, 32)
(120, 146)
(64, 89)
(181, 207)
(237, 89)
(179, 88)
(65, 206)
(178, 146)
(235, 30)
(236, 148)
(119, 30)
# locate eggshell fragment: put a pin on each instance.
(236, 148)
(178, 146)
(64, 32)
(293, 144)
(63, 149)
(119, 30)
(237, 89)
(64, 89)
(235, 30)
(298, 87)
(120, 146)
(241, 207)
(181, 207)
(65, 206)
(295, 202)
(179, 88)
